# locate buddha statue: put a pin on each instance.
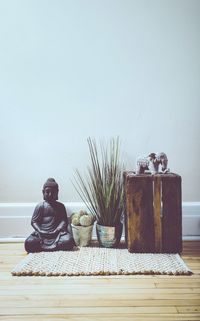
(50, 223)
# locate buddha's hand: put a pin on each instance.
(54, 233)
(45, 234)
(61, 227)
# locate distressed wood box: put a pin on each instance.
(153, 213)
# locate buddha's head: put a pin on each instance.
(50, 190)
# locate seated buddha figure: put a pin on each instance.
(50, 223)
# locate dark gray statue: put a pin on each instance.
(50, 223)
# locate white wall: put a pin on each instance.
(77, 68)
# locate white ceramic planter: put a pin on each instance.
(82, 234)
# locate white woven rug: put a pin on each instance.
(99, 261)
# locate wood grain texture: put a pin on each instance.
(153, 213)
(172, 214)
(139, 212)
(115, 298)
(157, 195)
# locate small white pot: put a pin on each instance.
(82, 234)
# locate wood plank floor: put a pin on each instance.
(115, 298)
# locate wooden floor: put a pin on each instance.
(125, 298)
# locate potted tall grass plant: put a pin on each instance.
(102, 190)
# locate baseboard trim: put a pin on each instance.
(15, 219)
(22, 239)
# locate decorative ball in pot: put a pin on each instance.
(82, 225)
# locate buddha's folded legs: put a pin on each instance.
(33, 244)
(65, 243)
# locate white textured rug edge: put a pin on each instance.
(99, 261)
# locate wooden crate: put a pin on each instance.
(153, 213)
